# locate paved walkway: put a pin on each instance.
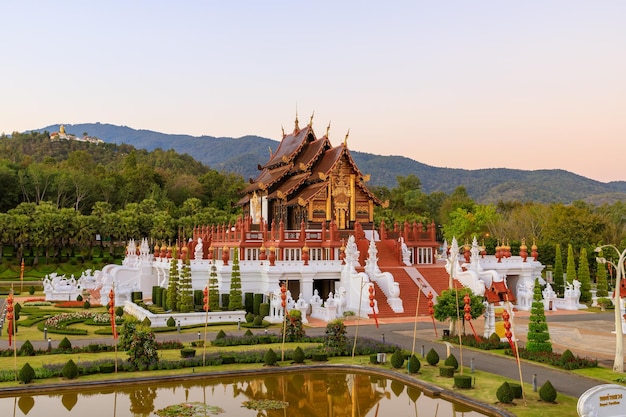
(584, 333)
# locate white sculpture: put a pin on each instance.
(199, 252)
(406, 253)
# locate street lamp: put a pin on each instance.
(618, 364)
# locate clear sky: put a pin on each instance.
(459, 84)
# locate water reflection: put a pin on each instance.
(310, 394)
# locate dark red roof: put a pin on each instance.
(290, 146)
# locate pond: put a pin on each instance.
(307, 393)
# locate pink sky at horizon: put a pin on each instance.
(534, 85)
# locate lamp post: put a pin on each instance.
(618, 364)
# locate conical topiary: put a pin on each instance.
(504, 394)
(547, 392)
(397, 359)
(451, 361)
(298, 355)
(26, 374)
(432, 357)
(65, 344)
(70, 370)
(538, 335)
(270, 357)
(414, 365)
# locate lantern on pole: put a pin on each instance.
(22, 275)
(468, 314)
(372, 303)
(112, 312)
(507, 327)
(10, 317)
(431, 310)
(205, 300)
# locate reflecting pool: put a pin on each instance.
(305, 394)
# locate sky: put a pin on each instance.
(458, 84)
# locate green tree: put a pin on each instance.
(447, 302)
(602, 287)
(172, 287)
(142, 353)
(571, 265)
(214, 290)
(185, 290)
(584, 277)
(538, 335)
(236, 296)
(558, 270)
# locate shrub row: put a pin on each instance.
(566, 360)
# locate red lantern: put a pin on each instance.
(10, 317)
(507, 327)
(205, 300)
(431, 310)
(283, 295)
(372, 303)
(468, 314)
(112, 312)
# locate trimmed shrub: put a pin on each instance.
(107, 368)
(26, 374)
(494, 338)
(187, 353)
(397, 359)
(451, 361)
(432, 357)
(567, 356)
(264, 309)
(258, 299)
(517, 389)
(86, 305)
(257, 321)
(31, 290)
(65, 344)
(248, 301)
(146, 322)
(414, 365)
(374, 358)
(70, 370)
(547, 392)
(319, 356)
(446, 371)
(119, 311)
(27, 349)
(228, 360)
(220, 335)
(463, 381)
(79, 297)
(249, 317)
(270, 358)
(171, 322)
(248, 333)
(504, 394)
(298, 355)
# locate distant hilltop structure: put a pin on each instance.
(62, 135)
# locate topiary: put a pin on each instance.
(463, 381)
(432, 357)
(27, 349)
(547, 392)
(65, 344)
(31, 290)
(298, 355)
(517, 390)
(397, 359)
(451, 361)
(248, 333)
(270, 358)
(567, 356)
(79, 298)
(171, 322)
(70, 370)
(494, 338)
(446, 371)
(220, 335)
(505, 393)
(26, 374)
(86, 305)
(119, 312)
(249, 318)
(414, 365)
(146, 322)
(257, 321)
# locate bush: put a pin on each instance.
(397, 359)
(264, 309)
(374, 358)
(319, 356)
(31, 290)
(27, 349)
(517, 389)
(446, 371)
(187, 353)
(107, 368)
(248, 333)
(86, 305)
(432, 357)
(79, 298)
(249, 317)
(414, 365)
(547, 392)
(65, 344)
(567, 356)
(220, 335)
(336, 335)
(257, 321)
(270, 357)
(451, 361)
(171, 322)
(26, 374)
(70, 370)
(298, 355)
(504, 394)
(146, 322)
(119, 311)
(228, 359)
(463, 381)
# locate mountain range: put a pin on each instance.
(243, 155)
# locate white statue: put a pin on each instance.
(199, 252)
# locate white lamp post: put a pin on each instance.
(618, 364)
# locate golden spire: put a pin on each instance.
(345, 141)
(297, 126)
(311, 119)
(327, 128)
(283, 129)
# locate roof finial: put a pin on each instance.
(283, 129)
(327, 128)
(345, 141)
(296, 127)
(311, 120)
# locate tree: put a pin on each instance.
(142, 353)
(172, 287)
(214, 290)
(558, 270)
(602, 287)
(584, 277)
(185, 290)
(236, 297)
(538, 335)
(570, 272)
(446, 307)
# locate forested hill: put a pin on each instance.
(242, 155)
